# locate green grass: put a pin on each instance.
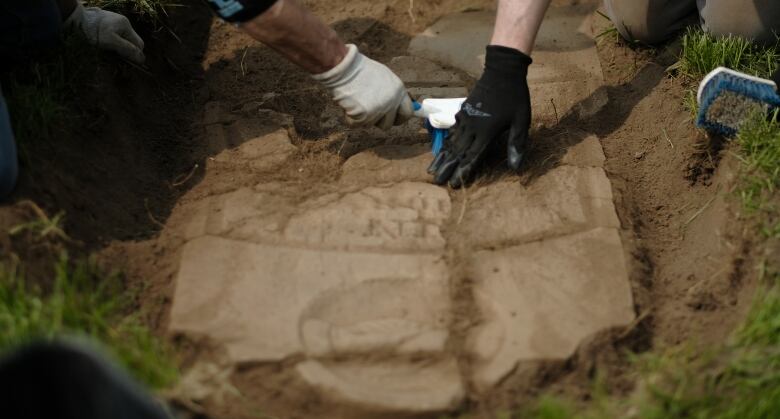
(702, 52)
(759, 143)
(83, 301)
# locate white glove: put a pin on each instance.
(108, 30)
(369, 92)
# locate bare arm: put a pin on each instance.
(517, 23)
(297, 34)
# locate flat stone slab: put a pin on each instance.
(565, 200)
(542, 298)
(389, 163)
(398, 386)
(403, 217)
(566, 72)
(425, 79)
(350, 288)
(416, 71)
(268, 303)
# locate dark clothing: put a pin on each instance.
(68, 380)
(237, 11)
(27, 26)
(9, 168)
(653, 21)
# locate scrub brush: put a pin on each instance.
(439, 117)
(727, 98)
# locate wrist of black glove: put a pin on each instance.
(499, 103)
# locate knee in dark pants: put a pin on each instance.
(9, 169)
(754, 19)
(649, 21)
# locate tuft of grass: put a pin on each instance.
(43, 226)
(759, 142)
(703, 52)
(83, 301)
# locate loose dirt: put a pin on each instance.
(309, 269)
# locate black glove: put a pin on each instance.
(500, 102)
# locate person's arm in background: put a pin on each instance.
(107, 30)
(369, 92)
(500, 102)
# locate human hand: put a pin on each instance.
(108, 30)
(369, 92)
(500, 102)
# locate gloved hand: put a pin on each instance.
(369, 92)
(500, 102)
(108, 30)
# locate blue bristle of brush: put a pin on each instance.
(724, 82)
(438, 140)
(438, 135)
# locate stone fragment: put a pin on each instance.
(267, 152)
(264, 303)
(388, 163)
(566, 72)
(402, 217)
(261, 143)
(399, 386)
(541, 299)
(565, 200)
(586, 153)
(206, 381)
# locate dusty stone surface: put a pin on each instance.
(267, 303)
(425, 79)
(416, 71)
(565, 200)
(456, 40)
(586, 153)
(394, 386)
(542, 298)
(403, 217)
(337, 275)
(261, 153)
(390, 163)
(566, 72)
